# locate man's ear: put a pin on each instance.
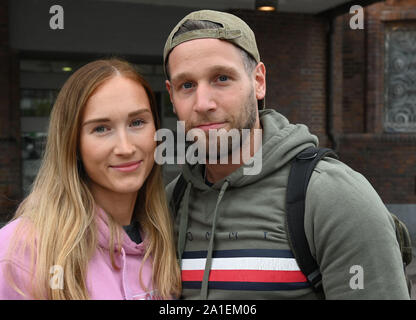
(260, 80)
(169, 88)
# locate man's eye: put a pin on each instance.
(187, 85)
(223, 78)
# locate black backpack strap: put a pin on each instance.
(301, 170)
(177, 194)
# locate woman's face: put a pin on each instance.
(117, 137)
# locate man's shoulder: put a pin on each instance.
(347, 223)
(337, 191)
(335, 176)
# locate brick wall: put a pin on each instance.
(387, 160)
(293, 48)
(336, 82)
(10, 162)
(354, 80)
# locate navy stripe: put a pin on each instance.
(267, 253)
(254, 286)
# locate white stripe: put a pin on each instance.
(247, 263)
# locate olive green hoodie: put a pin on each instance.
(232, 238)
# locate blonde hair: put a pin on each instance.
(60, 209)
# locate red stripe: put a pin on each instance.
(245, 275)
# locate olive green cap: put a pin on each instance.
(233, 30)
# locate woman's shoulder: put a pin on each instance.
(14, 268)
(15, 231)
(8, 230)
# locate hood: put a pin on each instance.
(128, 246)
(281, 141)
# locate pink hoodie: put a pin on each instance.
(103, 281)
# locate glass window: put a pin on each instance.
(35, 106)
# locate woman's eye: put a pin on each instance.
(100, 129)
(137, 123)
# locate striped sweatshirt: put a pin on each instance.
(232, 239)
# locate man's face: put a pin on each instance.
(210, 87)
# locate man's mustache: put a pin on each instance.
(204, 121)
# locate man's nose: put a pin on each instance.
(204, 99)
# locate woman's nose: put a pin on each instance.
(124, 145)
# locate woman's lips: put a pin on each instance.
(127, 167)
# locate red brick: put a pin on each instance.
(293, 48)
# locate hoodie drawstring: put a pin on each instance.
(208, 262)
(183, 224)
(123, 257)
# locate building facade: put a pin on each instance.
(354, 88)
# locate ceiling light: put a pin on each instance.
(266, 5)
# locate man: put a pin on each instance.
(232, 239)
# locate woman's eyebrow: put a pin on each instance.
(131, 114)
(95, 120)
(138, 112)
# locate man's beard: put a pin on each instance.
(246, 120)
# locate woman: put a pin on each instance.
(98, 174)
